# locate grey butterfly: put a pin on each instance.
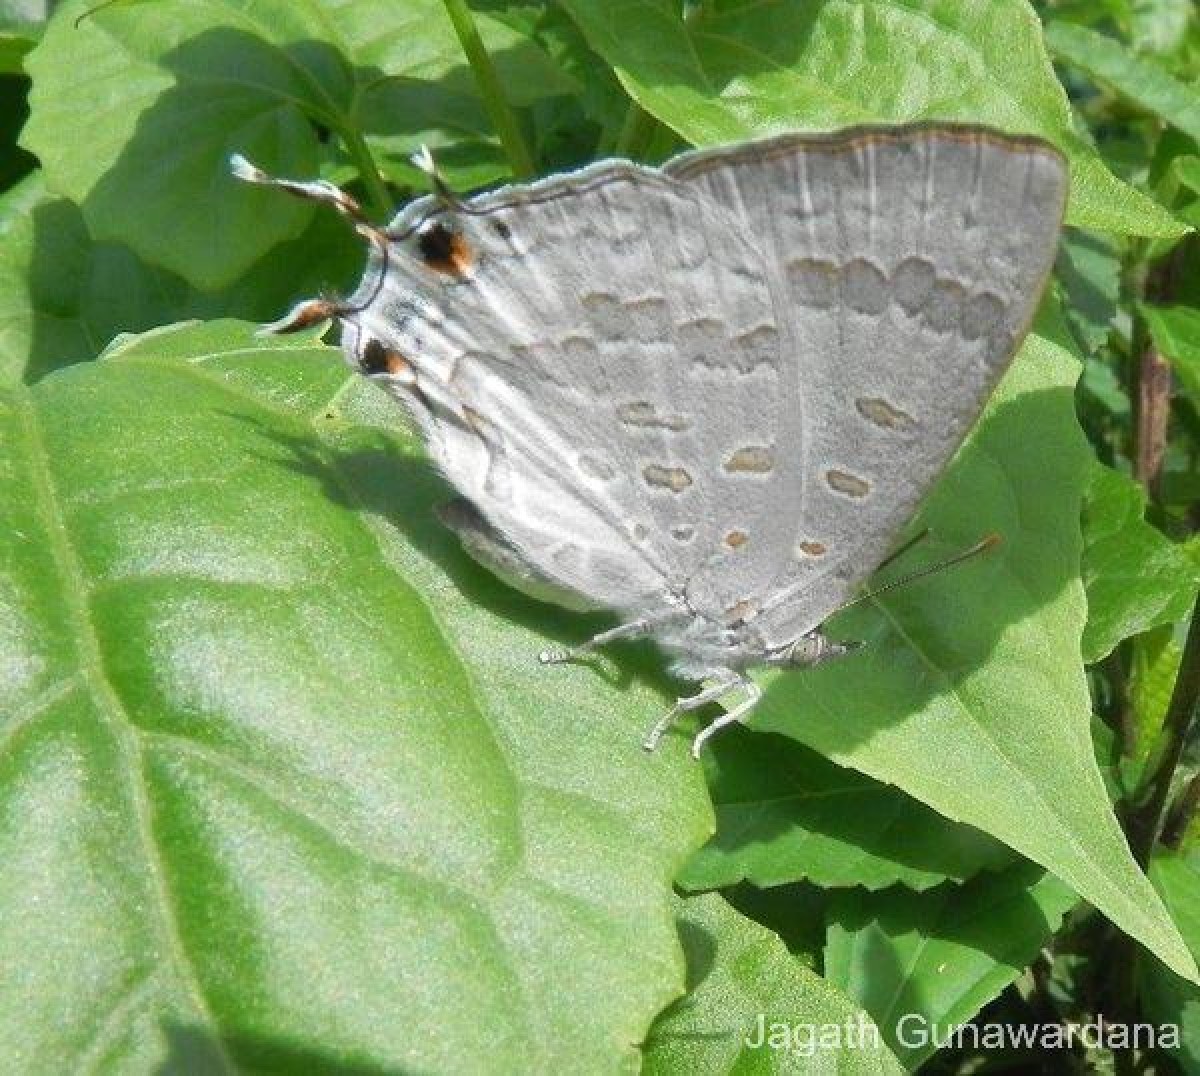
(708, 395)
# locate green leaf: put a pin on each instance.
(416, 41)
(1176, 333)
(1161, 25)
(63, 297)
(922, 964)
(753, 1007)
(168, 101)
(1136, 78)
(21, 23)
(1166, 998)
(284, 785)
(1187, 170)
(1136, 577)
(169, 98)
(784, 813)
(1155, 666)
(747, 67)
(970, 694)
(1089, 270)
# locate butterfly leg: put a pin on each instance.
(558, 655)
(727, 682)
(753, 694)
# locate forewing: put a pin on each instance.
(582, 354)
(913, 260)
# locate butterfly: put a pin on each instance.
(706, 395)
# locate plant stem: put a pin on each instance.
(635, 132)
(1146, 820)
(382, 205)
(488, 80)
(1122, 717)
(1180, 819)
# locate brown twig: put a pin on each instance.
(1153, 396)
(1153, 411)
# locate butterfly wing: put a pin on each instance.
(912, 260)
(580, 354)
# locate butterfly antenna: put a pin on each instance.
(982, 546)
(896, 554)
(423, 159)
(310, 312)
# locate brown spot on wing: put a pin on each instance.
(877, 410)
(739, 612)
(643, 413)
(849, 484)
(736, 539)
(753, 459)
(676, 479)
(380, 359)
(444, 249)
(812, 549)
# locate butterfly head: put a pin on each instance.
(808, 650)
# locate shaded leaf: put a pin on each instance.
(14, 161)
(416, 41)
(784, 813)
(752, 66)
(795, 912)
(1176, 333)
(1089, 270)
(970, 694)
(63, 296)
(284, 787)
(1139, 79)
(21, 23)
(753, 1007)
(169, 100)
(1166, 998)
(922, 964)
(1136, 577)
(1160, 25)
(1187, 170)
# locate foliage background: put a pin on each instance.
(281, 787)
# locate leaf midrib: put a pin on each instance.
(108, 702)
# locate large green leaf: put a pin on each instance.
(63, 296)
(922, 964)
(1136, 577)
(784, 813)
(753, 1007)
(746, 67)
(1176, 333)
(284, 787)
(970, 695)
(1168, 999)
(1139, 79)
(173, 87)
